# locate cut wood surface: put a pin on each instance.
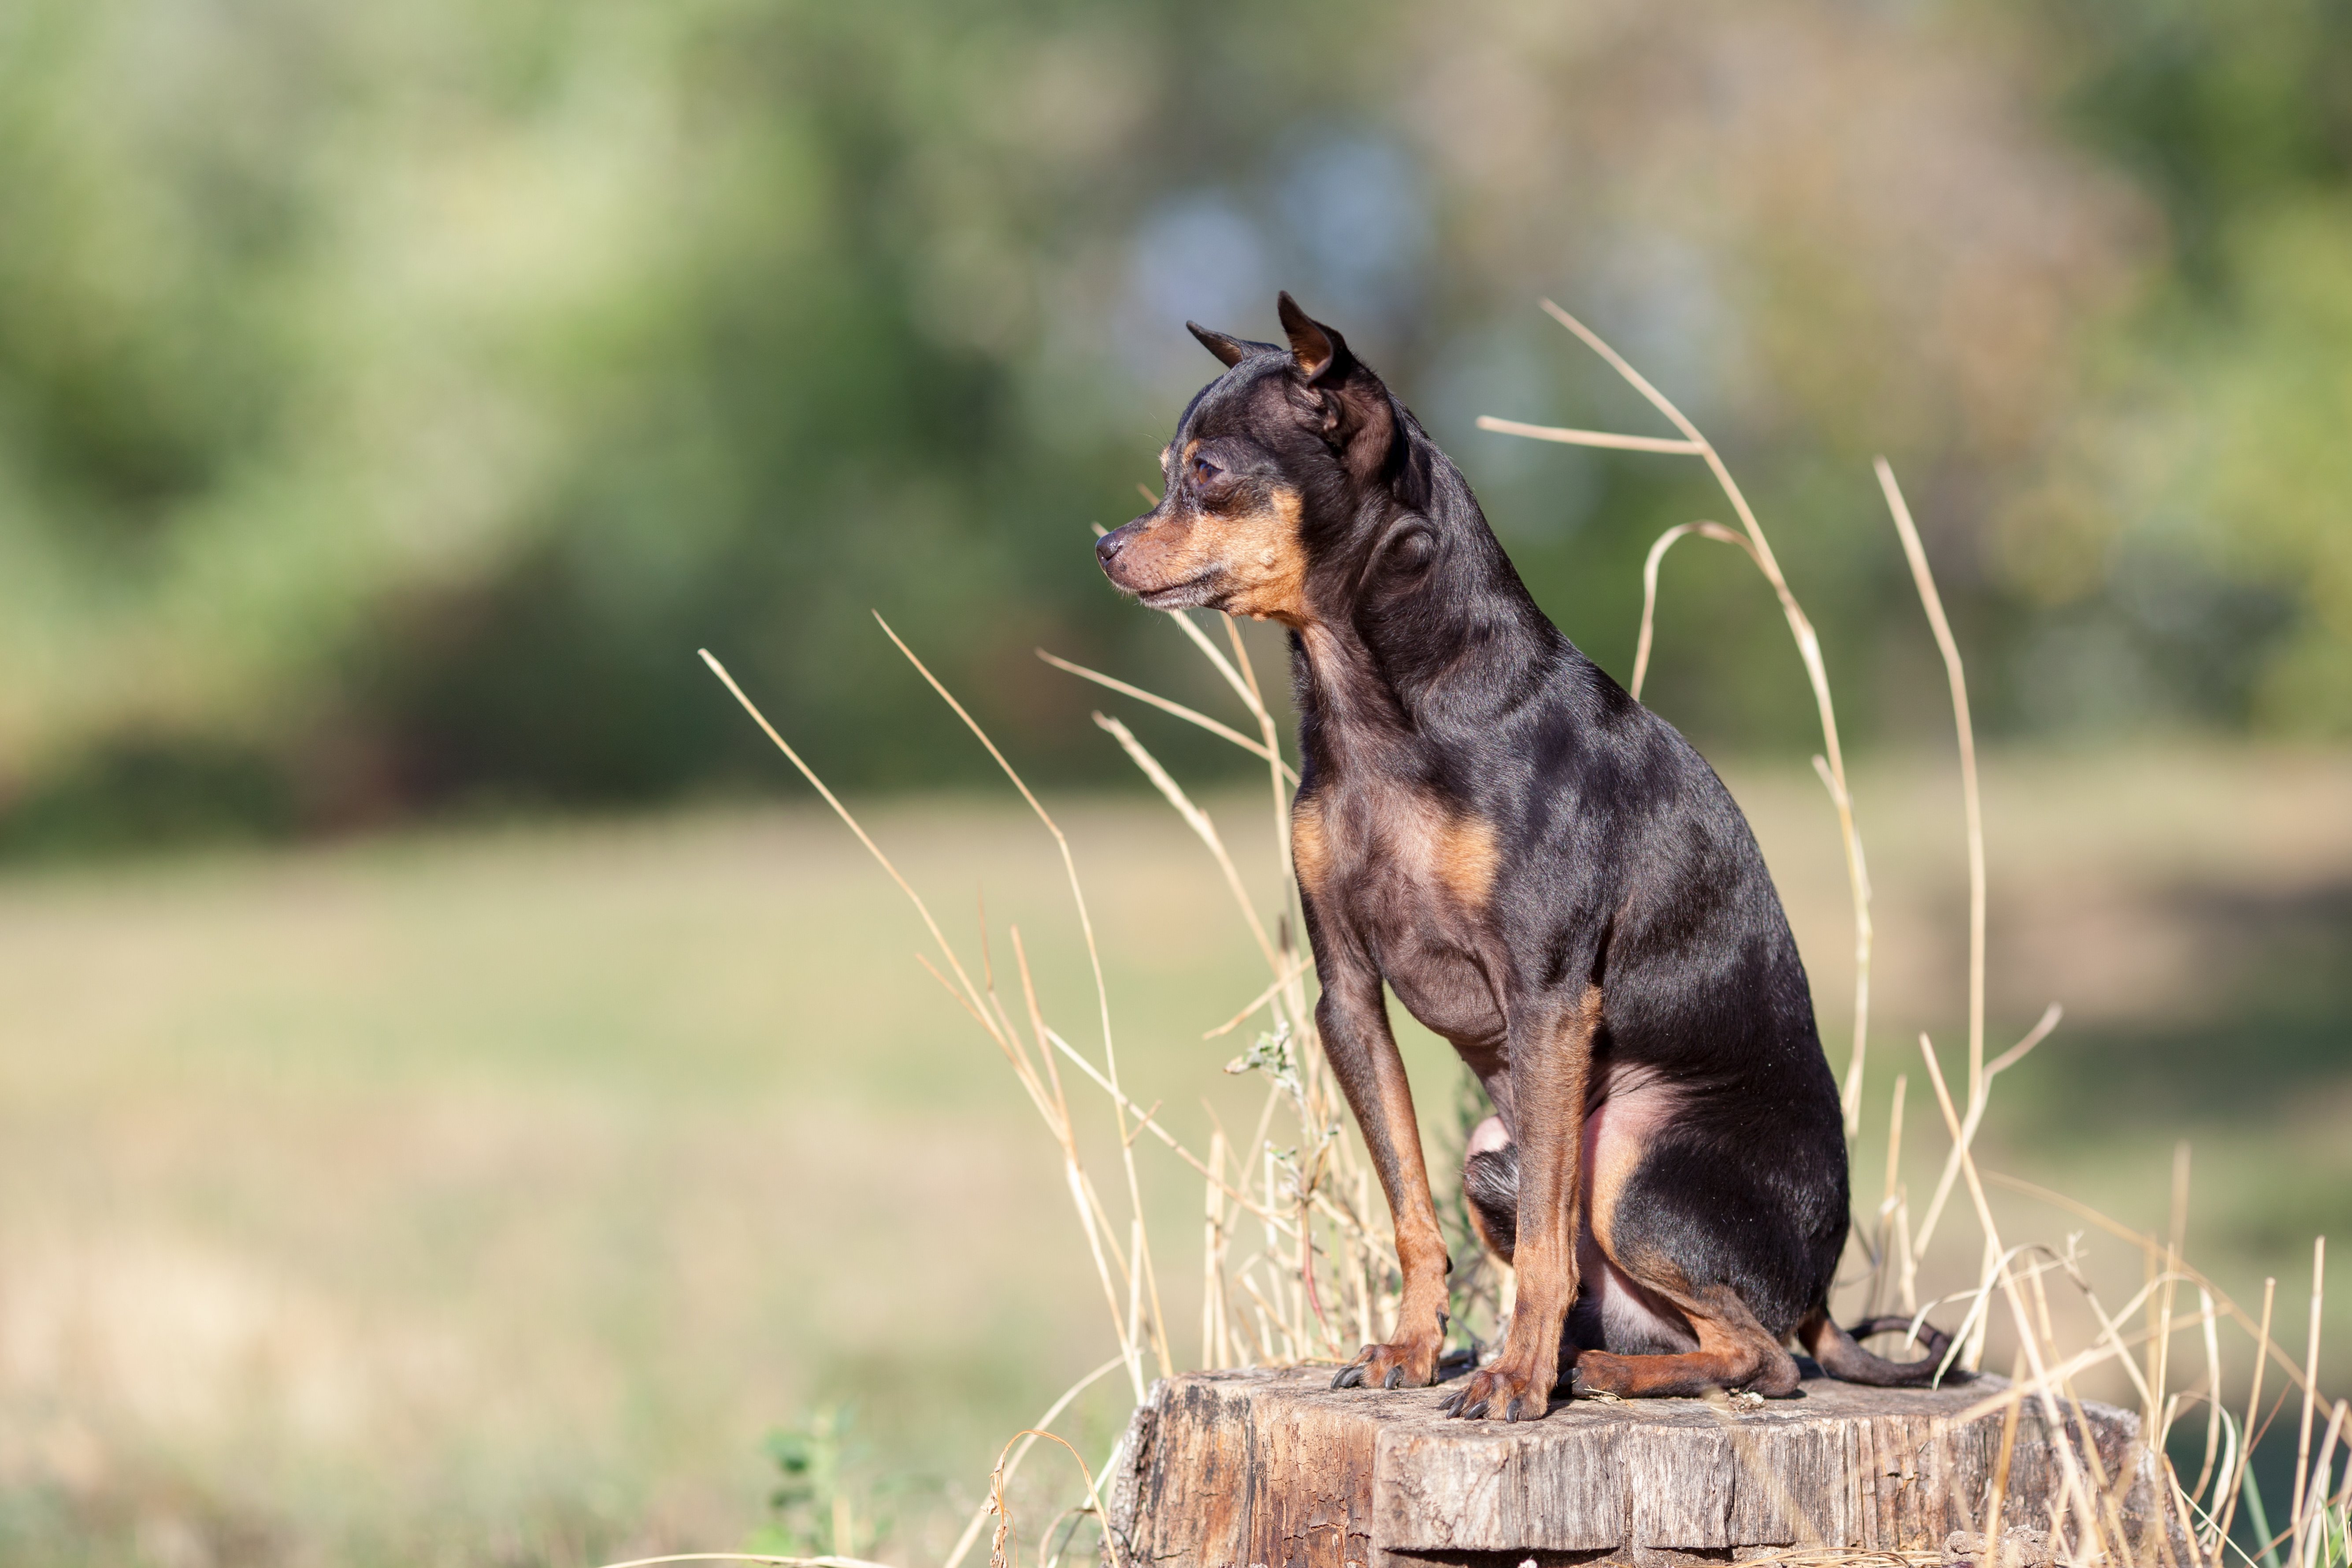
(1235, 1469)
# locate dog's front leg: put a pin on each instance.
(1354, 1021)
(1551, 1060)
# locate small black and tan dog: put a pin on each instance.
(1547, 874)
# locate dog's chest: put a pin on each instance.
(1411, 879)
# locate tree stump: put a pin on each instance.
(1235, 1470)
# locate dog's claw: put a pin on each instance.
(1451, 1404)
(1511, 1411)
(1473, 1412)
(1389, 1366)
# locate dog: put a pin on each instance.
(1546, 874)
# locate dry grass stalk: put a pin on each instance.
(2212, 1396)
(1971, 803)
(1214, 1336)
(1970, 1122)
(1281, 984)
(2310, 1394)
(2253, 1409)
(1665, 540)
(1190, 716)
(1206, 830)
(2001, 1461)
(1007, 1467)
(1606, 439)
(2314, 1500)
(1886, 1239)
(2159, 1352)
(1004, 1544)
(2076, 1490)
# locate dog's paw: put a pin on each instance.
(1501, 1392)
(1577, 1383)
(1402, 1364)
(1600, 1377)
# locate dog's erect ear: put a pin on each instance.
(1358, 420)
(1322, 353)
(1231, 349)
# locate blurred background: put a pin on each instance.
(455, 1099)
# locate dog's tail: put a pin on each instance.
(1490, 1185)
(1841, 1357)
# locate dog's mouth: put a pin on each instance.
(1138, 560)
(1189, 594)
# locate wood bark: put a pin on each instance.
(1274, 1469)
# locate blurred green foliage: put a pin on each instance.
(400, 399)
(2194, 529)
(824, 1502)
(390, 400)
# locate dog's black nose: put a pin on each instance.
(1109, 545)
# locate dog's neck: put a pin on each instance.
(1467, 644)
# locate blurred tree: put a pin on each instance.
(2188, 539)
(391, 401)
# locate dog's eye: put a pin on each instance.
(1204, 470)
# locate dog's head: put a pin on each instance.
(1282, 464)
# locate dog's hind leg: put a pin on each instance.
(1735, 1351)
(1689, 1230)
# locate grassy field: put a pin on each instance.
(485, 1196)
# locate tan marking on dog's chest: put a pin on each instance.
(1374, 838)
(1464, 854)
